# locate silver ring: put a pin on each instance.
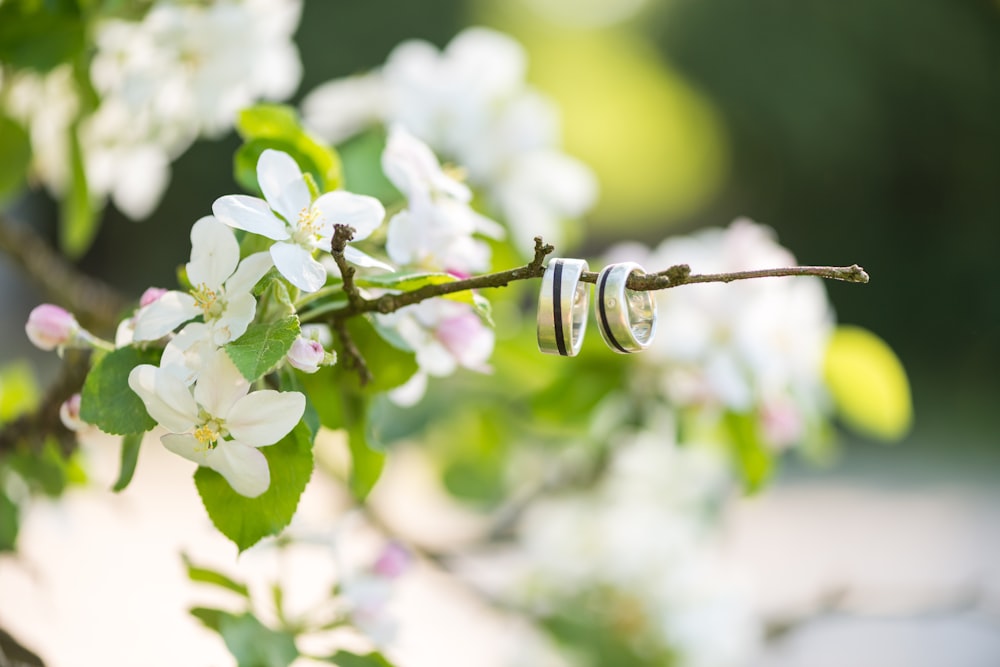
(626, 318)
(562, 307)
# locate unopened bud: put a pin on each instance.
(306, 354)
(69, 413)
(49, 327)
(150, 295)
(394, 560)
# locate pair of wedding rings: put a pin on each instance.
(626, 318)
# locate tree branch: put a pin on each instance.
(96, 304)
(675, 276)
(34, 428)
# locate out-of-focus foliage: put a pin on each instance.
(868, 383)
(866, 130)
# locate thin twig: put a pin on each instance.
(353, 359)
(680, 274)
(675, 276)
(342, 235)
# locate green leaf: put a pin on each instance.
(10, 521)
(40, 35)
(130, 455)
(367, 463)
(756, 461)
(204, 575)
(390, 366)
(252, 643)
(263, 346)
(79, 222)
(276, 126)
(348, 659)
(108, 402)
(15, 156)
(45, 471)
(868, 384)
(19, 391)
(246, 521)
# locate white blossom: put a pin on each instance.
(220, 294)
(747, 346)
(180, 72)
(643, 535)
(436, 231)
(471, 104)
(298, 225)
(445, 335)
(219, 424)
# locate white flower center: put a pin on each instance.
(307, 232)
(208, 300)
(209, 434)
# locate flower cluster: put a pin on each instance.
(749, 347)
(180, 72)
(639, 548)
(471, 104)
(197, 392)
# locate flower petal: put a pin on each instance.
(249, 272)
(186, 353)
(233, 323)
(186, 445)
(163, 315)
(165, 396)
(264, 417)
(355, 256)
(215, 253)
(250, 214)
(297, 264)
(282, 183)
(245, 468)
(361, 212)
(220, 385)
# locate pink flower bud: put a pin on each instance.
(306, 355)
(49, 327)
(150, 295)
(394, 560)
(69, 413)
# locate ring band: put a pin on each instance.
(626, 318)
(562, 307)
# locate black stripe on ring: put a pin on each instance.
(557, 306)
(604, 314)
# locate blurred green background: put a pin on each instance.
(862, 131)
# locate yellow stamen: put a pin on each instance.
(205, 298)
(307, 222)
(207, 436)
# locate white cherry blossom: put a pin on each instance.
(298, 225)
(219, 424)
(471, 104)
(221, 291)
(436, 231)
(445, 335)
